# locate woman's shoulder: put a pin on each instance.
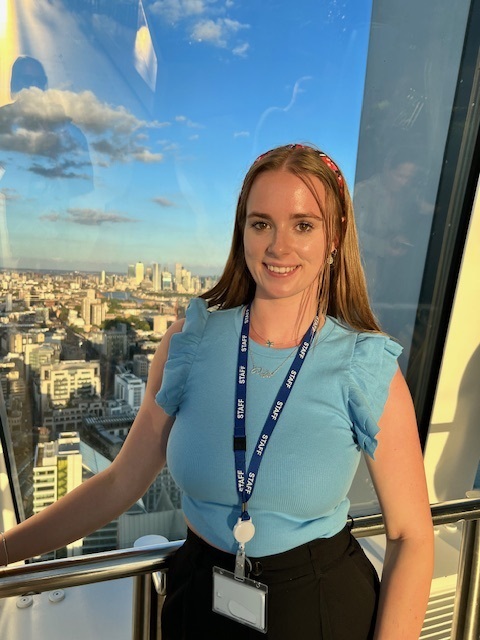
(201, 329)
(362, 340)
(370, 356)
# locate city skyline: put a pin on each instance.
(138, 147)
(170, 267)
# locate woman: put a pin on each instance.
(266, 403)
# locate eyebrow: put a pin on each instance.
(293, 216)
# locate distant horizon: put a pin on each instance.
(94, 271)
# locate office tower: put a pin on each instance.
(115, 343)
(102, 277)
(57, 469)
(85, 312)
(87, 302)
(156, 277)
(178, 275)
(130, 389)
(131, 271)
(58, 383)
(60, 466)
(186, 281)
(139, 272)
(167, 282)
(141, 364)
(98, 311)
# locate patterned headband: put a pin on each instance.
(325, 158)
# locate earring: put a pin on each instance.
(331, 257)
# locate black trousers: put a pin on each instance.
(326, 589)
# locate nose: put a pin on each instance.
(279, 242)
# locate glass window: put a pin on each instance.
(125, 130)
(409, 92)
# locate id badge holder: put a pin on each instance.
(244, 601)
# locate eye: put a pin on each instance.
(304, 226)
(259, 225)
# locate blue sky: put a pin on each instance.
(137, 148)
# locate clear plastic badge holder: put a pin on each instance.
(242, 600)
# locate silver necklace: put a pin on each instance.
(266, 373)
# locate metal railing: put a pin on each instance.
(141, 562)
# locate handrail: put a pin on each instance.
(87, 569)
(111, 565)
(442, 513)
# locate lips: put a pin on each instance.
(274, 269)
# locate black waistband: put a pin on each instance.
(322, 552)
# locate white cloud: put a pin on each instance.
(241, 134)
(163, 202)
(147, 157)
(88, 217)
(54, 124)
(216, 32)
(209, 31)
(241, 50)
(189, 123)
(176, 10)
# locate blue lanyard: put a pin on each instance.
(246, 481)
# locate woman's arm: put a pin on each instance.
(108, 494)
(399, 479)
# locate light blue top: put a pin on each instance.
(313, 453)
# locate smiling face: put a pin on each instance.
(284, 236)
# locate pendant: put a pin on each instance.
(243, 531)
(260, 371)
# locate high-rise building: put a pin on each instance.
(167, 281)
(130, 389)
(60, 466)
(57, 470)
(131, 271)
(156, 277)
(196, 284)
(85, 310)
(141, 364)
(139, 272)
(186, 281)
(87, 302)
(98, 312)
(115, 343)
(178, 275)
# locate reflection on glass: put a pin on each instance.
(414, 57)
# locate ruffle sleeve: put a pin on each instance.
(181, 354)
(373, 366)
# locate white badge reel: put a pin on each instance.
(243, 531)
